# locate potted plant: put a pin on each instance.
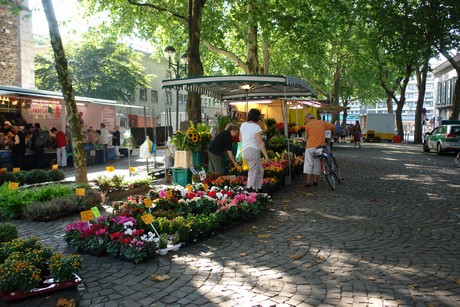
(163, 244)
(29, 268)
(175, 242)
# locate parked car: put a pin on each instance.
(443, 138)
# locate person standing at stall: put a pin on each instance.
(116, 141)
(39, 144)
(222, 143)
(104, 141)
(253, 145)
(18, 151)
(61, 145)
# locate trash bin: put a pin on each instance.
(397, 139)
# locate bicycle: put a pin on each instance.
(329, 166)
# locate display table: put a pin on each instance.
(5, 158)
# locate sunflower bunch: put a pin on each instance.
(193, 139)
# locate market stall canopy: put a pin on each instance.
(24, 93)
(240, 87)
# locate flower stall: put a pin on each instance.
(181, 214)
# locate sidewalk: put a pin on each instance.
(389, 235)
(121, 166)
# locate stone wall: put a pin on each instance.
(9, 55)
(16, 48)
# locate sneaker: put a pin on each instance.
(307, 185)
(315, 184)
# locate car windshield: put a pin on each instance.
(455, 130)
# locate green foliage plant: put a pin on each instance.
(8, 232)
(13, 202)
(37, 176)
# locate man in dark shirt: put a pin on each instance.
(222, 143)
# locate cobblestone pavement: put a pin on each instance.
(388, 236)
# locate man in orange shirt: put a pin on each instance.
(315, 131)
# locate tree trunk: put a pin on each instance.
(195, 65)
(421, 85)
(336, 89)
(402, 100)
(79, 155)
(251, 44)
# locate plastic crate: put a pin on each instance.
(182, 176)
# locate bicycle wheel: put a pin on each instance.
(336, 169)
(330, 177)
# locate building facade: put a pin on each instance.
(445, 86)
(16, 50)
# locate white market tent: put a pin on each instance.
(246, 87)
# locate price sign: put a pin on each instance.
(54, 166)
(13, 185)
(193, 170)
(80, 191)
(16, 169)
(110, 168)
(147, 202)
(132, 169)
(87, 215)
(95, 211)
(202, 175)
(147, 218)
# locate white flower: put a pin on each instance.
(213, 188)
(128, 224)
(182, 201)
(129, 231)
(219, 195)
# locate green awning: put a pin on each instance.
(232, 87)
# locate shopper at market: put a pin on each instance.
(315, 130)
(116, 141)
(221, 145)
(252, 145)
(104, 141)
(18, 151)
(61, 146)
(39, 149)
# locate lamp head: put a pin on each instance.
(184, 58)
(169, 52)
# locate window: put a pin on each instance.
(182, 99)
(143, 94)
(154, 95)
(168, 97)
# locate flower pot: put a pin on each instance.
(174, 247)
(162, 251)
(197, 157)
(121, 194)
(183, 159)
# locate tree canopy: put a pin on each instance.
(98, 67)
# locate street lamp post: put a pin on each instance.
(178, 67)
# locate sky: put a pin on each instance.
(69, 20)
(64, 10)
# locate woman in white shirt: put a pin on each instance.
(252, 145)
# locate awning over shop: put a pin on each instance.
(242, 87)
(24, 93)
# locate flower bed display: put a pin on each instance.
(29, 268)
(188, 214)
